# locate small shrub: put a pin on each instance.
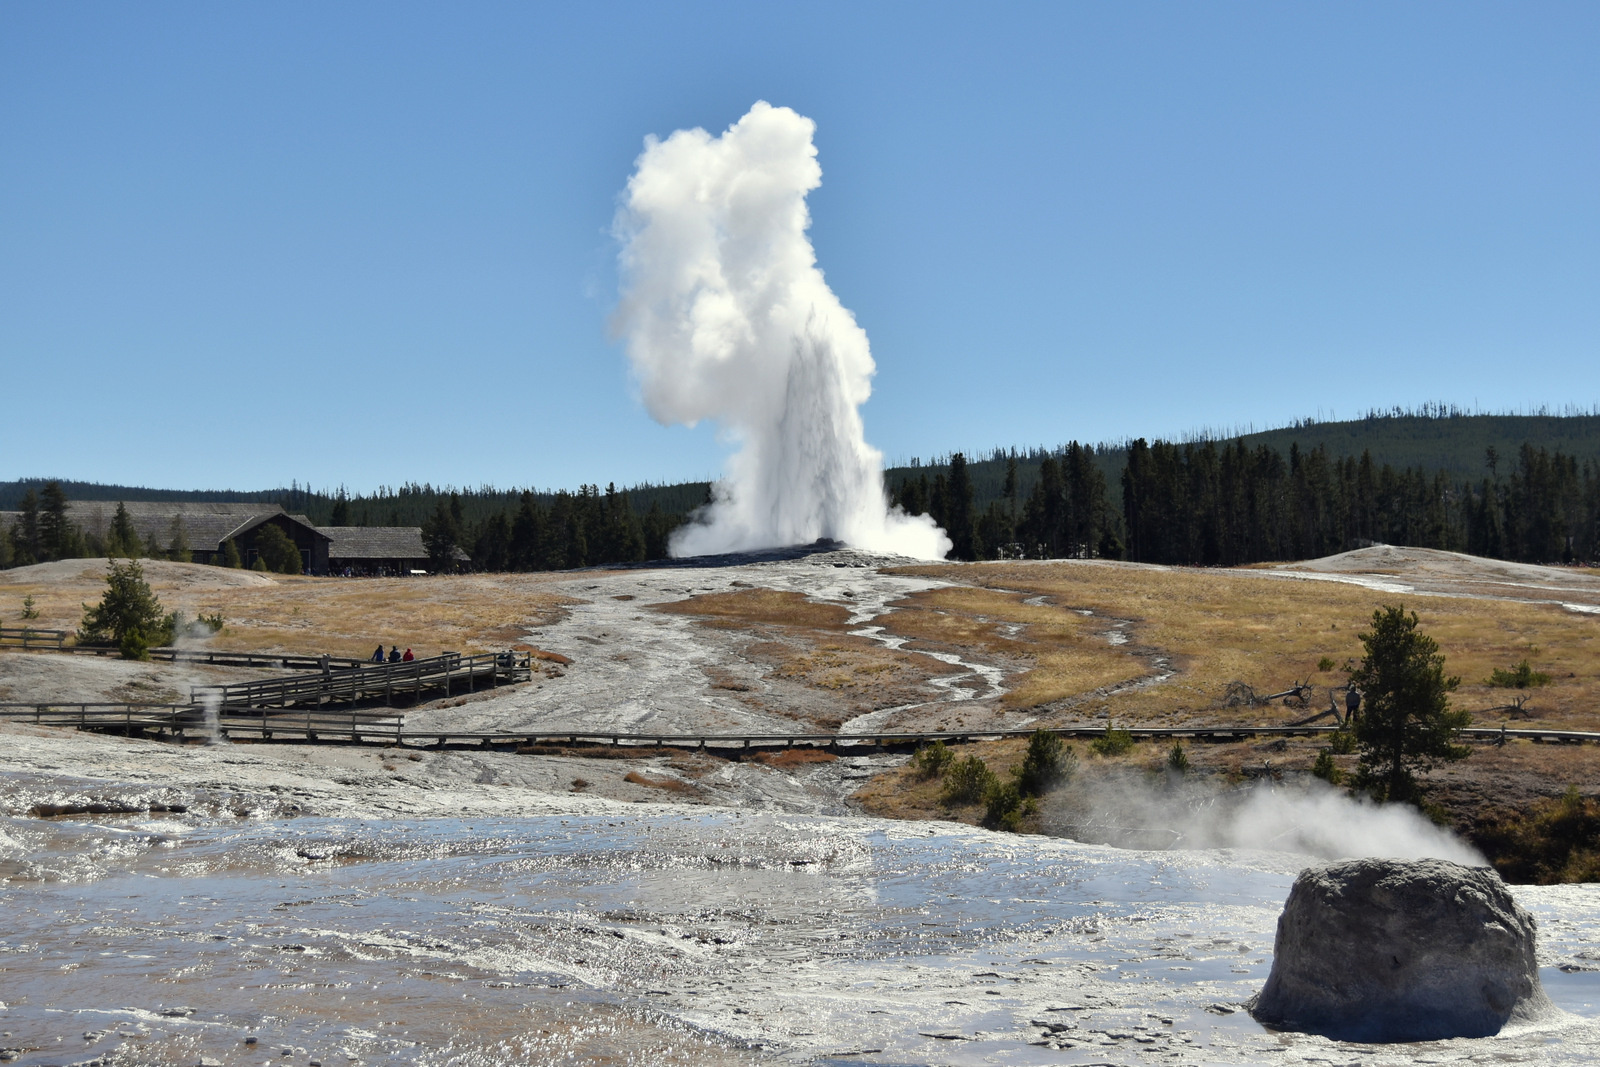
(1342, 742)
(1047, 764)
(933, 760)
(1326, 769)
(28, 609)
(1003, 806)
(1553, 840)
(1177, 758)
(1522, 676)
(967, 781)
(133, 645)
(1325, 664)
(1114, 743)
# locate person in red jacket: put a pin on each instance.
(408, 657)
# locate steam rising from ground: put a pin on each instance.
(726, 317)
(1315, 819)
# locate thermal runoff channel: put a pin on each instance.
(726, 316)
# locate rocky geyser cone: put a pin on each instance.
(1401, 950)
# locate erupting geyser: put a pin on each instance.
(725, 316)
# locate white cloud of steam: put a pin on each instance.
(1314, 819)
(725, 316)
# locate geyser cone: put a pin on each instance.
(726, 317)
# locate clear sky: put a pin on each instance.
(370, 243)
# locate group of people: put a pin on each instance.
(394, 655)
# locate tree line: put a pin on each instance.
(1231, 504)
(582, 529)
(1066, 514)
(1205, 503)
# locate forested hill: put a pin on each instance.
(1456, 444)
(1434, 439)
(1515, 487)
(409, 505)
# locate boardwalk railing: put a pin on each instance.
(35, 639)
(183, 721)
(377, 682)
(217, 658)
(383, 726)
(32, 637)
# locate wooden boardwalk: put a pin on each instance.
(377, 682)
(385, 727)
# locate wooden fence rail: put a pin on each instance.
(31, 637)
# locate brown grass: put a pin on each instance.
(762, 607)
(857, 667)
(1066, 652)
(1219, 626)
(671, 785)
(340, 616)
(794, 757)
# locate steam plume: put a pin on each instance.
(726, 317)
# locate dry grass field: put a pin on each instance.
(1215, 627)
(806, 642)
(343, 617)
(762, 607)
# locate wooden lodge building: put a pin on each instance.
(368, 550)
(207, 525)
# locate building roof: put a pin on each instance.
(206, 524)
(374, 542)
(378, 543)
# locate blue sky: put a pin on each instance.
(369, 243)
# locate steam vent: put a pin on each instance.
(1394, 950)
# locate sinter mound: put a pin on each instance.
(1397, 950)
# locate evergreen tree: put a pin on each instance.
(441, 537)
(958, 507)
(1406, 723)
(527, 531)
(658, 527)
(25, 532)
(340, 515)
(277, 551)
(491, 548)
(230, 555)
(128, 615)
(178, 542)
(56, 535)
(122, 540)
